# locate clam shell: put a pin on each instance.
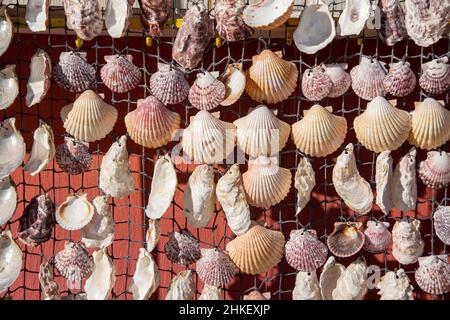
(9, 85)
(42, 151)
(182, 248)
(117, 17)
(367, 78)
(73, 73)
(271, 79)
(393, 27)
(146, 278)
(182, 287)
(75, 213)
(153, 234)
(316, 84)
(6, 30)
(234, 81)
(320, 132)
(306, 287)
(352, 284)
(257, 250)
(85, 17)
(331, 272)
(74, 262)
(435, 170)
(407, 243)
(49, 287)
(154, 14)
(210, 293)
(39, 80)
(207, 92)
(101, 282)
(354, 16)
(304, 182)
(346, 240)
(383, 180)
(256, 295)
(400, 80)
(377, 236)
(382, 126)
(433, 274)
(395, 285)
(169, 85)
(119, 73)
(73, 156)
(12, 147)
(404, 184)
(215, 268)
(435, 77)
(340, 79)
(268, 14)
(8, 199)
(265, 183)
(10, 260)
(230, 21)
(441, 220)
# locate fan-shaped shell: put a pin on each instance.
(441, 220)
(117, 16)
(230, 20)
(331, 272)
(435, 77)
(383, 179)
(395, 285)
(234, 80)
(12, 147)
(207, 92)
(9, 85)
(85, 17)
(119, 73)
(433, 274)
(146, 278)
(73, 156)
(340, 78)
(354, 16)
(268, 14)
(74, 263)
(73, 73)
(99, 285)
(169, 85)
(435, 170)
(400, 80)
(182, 286)
(75, 213)
(367, 78)
(407, 243)
(346, 239)
(306, 286)
(215, 268)
(316, 84)
(40, 75)
(404, 184)
(304, 182)
(271, 79)
(352, 284)
(8, 199)
(6, 30)
(377, 236)
(10, 260)
(182, 248)
(42, 151)
(154, 14)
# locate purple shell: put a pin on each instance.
(377, 236)
(316, 84)
(74, 262)
(182, 248)
(73, 156)
(215, 268)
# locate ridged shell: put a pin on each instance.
(6, 27)
(407, 243)
(9, 85)
(85, 17)
(393, 27)
(8, 199)
(331, 272)
(12, 147)
(101, 282)
(234, 80)
(169, 85)
(433, 274)
(146, 277)
(304, 182)
(207, 92)
(404, 184)
(268, 14)
(377, 236)
(182, 286)
(316, 84)
(435, 78)
(441, 220)
(74, 263)
(215, 268)
(154, 14)
(10, 260)
(400, 80)
(435, 170)
(367, 78)
(320, 132)
(42, 151)
(383, 179)
(346, 239)
(271, 79)
(73, 156)
(40, 77)
(75, 213)
(382, 126)
(119, 73)
(306, 286)
(117, 16)
(395, 285)
(230, 21)
(182, 248)
(340, 78)
(352, 19)
(73, 73)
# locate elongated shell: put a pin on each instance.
(74, 262)
(169, 85)
(234, 80)
(395, 285)
(9, 86)
(435, 77)
(49, 286)
(146, 277)
(36, 14)
(304, 252)
(434, 171)
(117, 16)
(39, 80)
(119, 73)
(230, 21)
(393, 27)
(215, 268)
(407, 243)
(331, 272)
(207, 92)
(339, 77)
(354, 16)
(6, 30)
(182, 287)
(99, 285)
(268, 14)
(73, 156)
(182, 248)
(400, 80)
(404, 183)
(352, 284)
(10, 260)
(85, 17)
(433, 274)
(441, 221)
(367, 78)
(12, 147)
(8, 199)
(42, 151)
(306, 286)
(73, 73)
(346, 239)
(154, 14)
(75, 213)
(383, 180)
(377, 236)
(316, 84)
(304, 182)
(153, 234)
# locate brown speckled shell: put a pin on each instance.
(73, 73)
(230, 23)
(435, 78)
(49, 286)
(401, 80)
(346, 239)
(393, 27)
(182, 248)
(206, 97)
(74, 262)
(154, 13)
(119, 73)
(215, 268)
(377, 236)
(367, 78)
(85, 17)
(441, 220)
(169, 85)
(316, 84)
(73, 156)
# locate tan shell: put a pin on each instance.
(234, 81)
(39, 80)
(207, 92)
(268, 14)
(75, 213)
(434, 171)
(304, 182)
(346, 239)
(8, 199)
(42, 151)
(153, 234)
(367, 78)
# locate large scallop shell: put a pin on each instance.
(367, 78)
(117, 16)
(400, 80)
(73, 73)
(207, 92)
(352, 284)
(101, 282)
(6, 30)
(42, 151)
(75, 213)
(73, 156)
(433, 274)
(230, 21)
(383, 179)
(339, 77)
(377, 236)
(39, 80)
(9, 86)
(182, 287)
(320, 132)
(395, 285)
(382, 126)
(441, 221)
(234, 80)
(271, 79)
(182, 248)
(435, 170)
(12, 147)
(257, 250)
(10, 260)
(407, 243)
(268, 14)
(435, 77)
(154, 14)
(74, 263)
(215, 268)
(354, 16)
(316, 84)
(119, 73)
(404, 184)
(304, 182)
(346, 239)
(393, 27)
(146, 278)
(169, 85)
(306, 287)
(8, 199)
(331, 272)
(85, 17)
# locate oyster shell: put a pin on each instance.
(234, 80)
(304, 182)
(73, 73)
(182, 248)
(441, 222)
(6, 30)
(256, 295)
(367, 78)
(9, 84)
(10, 260)
(169, 85)
(393, 27)
(346, 239)
(85, 17)
(49, 286)
(354, 16)
(12, 147)
(268, 14)
(75, 213)
(215, 268)
(99, 233)
(316, 84)
(306, 286)
(383, 179)
(352, 284)
(435, 77)
(395, 285)
(40, 77)
(230, 21)
(154, 14)
(153, 234)
(377, 236)
(404, 184)
(146, 278)
(207, 92)
(210, 293)
(340, 78)
(73, 156)
(117, 16)
(331, 272)
(8, 199)
(99, 285)
(43, 149)
(433, 274)
(182, 287)
(74, 263)
(119, 73)
(400, 80)
(407, 243)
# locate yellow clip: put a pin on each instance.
(218, 42)
(178, 22)
(148, 41)
(79, 42)
(293, 22)
(360, 41)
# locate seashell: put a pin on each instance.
(383, 180)
(101, 282)
(231, 195)
(8, 199)
(208, 139)
(256, 295)
(10, 260)
(215, 268)
(352, 284)
(270, 79)
(40, 77)
(74, 263)
(6, 30)
(395, 285)
(43, 149)
(85, 17)
(441, 221)
(382, 126)
(182, 287)
(146, 278)
(268, 14)
(306, 287)
(182, 248)
(304, 182)
(346, 239)
(316, 84)
(348, 183)
(117, 17)
(265, 183)
(12, 147)
(430, 127)
(230, 21)
(316, 28)
(367, 78)
(257, 250)
(407, 243)
(393, 27)
(9, 84)
(36, 15)
(99, 233)
(400, 80)
(404, 184)
(73, 73)
(433, 274)
(153, 234)
(200, 196)
(37, 221)
(74, 213)
(354, 16)
(340, 79)
(169, 85)
(435, 78)
(207, 92)
(151, 124)
(210, 293)
(377, 236)
(49, 286)
(304, 252)
(119, 73)
(198, 28)
(261, 132)
(73, 156)
(164, 185)
(154, 14)
(234, 80)
(115, 176)
(331, 272)
(77, 296)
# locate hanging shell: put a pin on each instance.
(73, 73)
(306, 287)
(182, 287)
(73, 156)
(316, 84)
(382, 126)
(8, 199)
(215, 268)
(85, 17)
(117, 17)
(256, 295)
(270, 79)
(12, 147)
(74, 263)
(268, 14)
(169, 85)
(304, 251)
(231, 195)
(164, 185)
(119, 73)
(340, 78)
(115, 176)
(433, 274)
(441, 222)
(75, 213)
(49, 287)
(331, 272)
(6, 30)
(101, 282)
(435, 78)
(99, 233)
(407, 243)
(234, 80)
(207, 92)
(146, 278)
(352, 284)
(257, 250)
(393, 27)
(230, 21)
(210, 293)
(346, 239)
(400, 80)
(265, 183)
(320, 132)
(153, 234)
(9, 84)
(40, 77)
(151, 124)
(354, 16)
(200, 196)
(182, 248)
(395, 285)
(10, 260)
(304, 182)
(383, 180)
(367, 78)
(404, 184)
(154, 14)
(43, 149)
(377, 236)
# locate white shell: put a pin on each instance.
(331, 272)
(304, 182)
(6, 30)
(115, 176)
(404, 183)
(74, 213)
(210, 293)
(182, 287)
(352, 284)
(433, 274)
(146, 277)
(153, 234)
(267, 14)
(10, 260)
(9, 86)
(12, 147)
(395, 285)
(164, 185)
(234, 81)
(306, 287)
(200, 196)
(99, 285)
(42, 151)
(99, 233)
(39, 80)
(354, 16)
(116, 16)
(8, 200)
(36, 15)
(407, 243)
(383, 179)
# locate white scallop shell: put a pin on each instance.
(153, 234)
(6, 30)
(339, 77)
(367, 78)
(352, 284)
(433, 274)
(306, 287)
(383, 179)
(101, 282)
(36, 14)
(75, 212)
(407, 243)
(331, 272)
(99, 233)
(267, 14)
(441, 222)
(10, 260)
(116, 16)
(182, 287)
(234, 81)
(210, 293)
(404, 183)
(8, 199)
(354, 16)
(42, 151)
(207, 92)
(12, 147)
(304, 182)
(9, 86)
(395, 285)
(39, 80)
(146, 278)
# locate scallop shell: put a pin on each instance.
(407, 243)
(395, 285)
(40, 76)
(75, 213)
(210, 293)
(101, 282)
(352, 284)
(340, 79)
(441, 220)
(435, 77)
(154, 14)
(182, 248)
(265, 183)
(354, 16)
(346, 240)
(331, 272)
(169, 85)
(400, 80)
(73, 156)
(382, 126)
(117, 17)
(49, 287)
(367, 78)
(377, 236)
(306, 287)
(37, 221)
(73, 73)
(256, 295)
(268, 14)
(270, 79)
(430, 127)
(182, 287)
(74, 263)
(207, 92)
(383, 180)
(153, 234)
(234, 81)
(316, 84)
(8, 199)
(42, 151)
(433, 274)
(404, 184)
(393, 27)
(208, 139)
(151, 124)
(261, 132)
(146, 278)
(320, 132)
(257, 250)
(304, 252)
(215, 268)
(304, 182)
(6, 30)
(119, 73)
(9, 85)
(230, 21)
(164, 185)
(10, 260)
(12, 147)
(435, 170)
(85, 17)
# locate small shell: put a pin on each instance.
(339, 77)
(441, 220)
(435, 77)
(182, 287)
(331, 272)
(256, 295)
(85, 17)
(74, 263)
(306, 287)
(346, 239)
(304, 182)
(230, 21)
(400, 80)
(49, 287)
(9, 85)
(393, 27)
(316, 84)
(169, 84)
(367, 78)
(154, 14)
(352, 284)
(42, 151)
(435, 170)
(10, 260)
(153, 234)
(404, 183)
(383, 180)
(146, 278)
(215, 268)
(207, 92)
(210, 293)
(8, 199)
(433, 274)
(101, 282)
(75, 213)
(12, 147)
(6, 30)
(268, 14)
(119, 73)
(354, 16)
(73, 156)
(182, 248)
(73, 73)
(377, 236)
(234, 81)
(40, 76)
(117, 17)
(407, 243)
(395, 285)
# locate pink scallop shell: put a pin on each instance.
(339, 77)
(206, 95)
(215, 268)
(434, 171)
(74, 262)
(367, 78)
(169, 85)
(119, 73)
(441, 219)
(316, 84)
(433, 274)
(401, 80)
(377, 236)
(182, 248)
(435, 76)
